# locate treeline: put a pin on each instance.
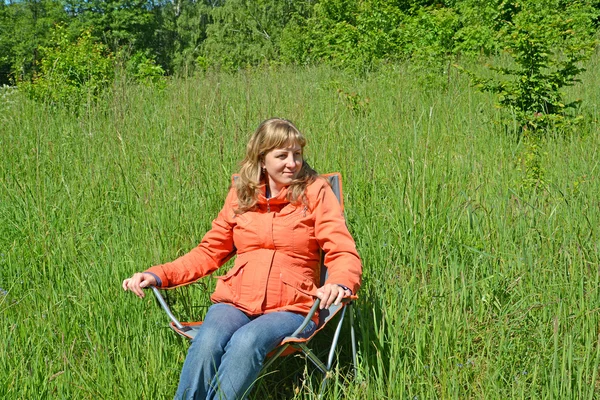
(179, 37)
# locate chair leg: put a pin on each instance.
(353, 338)
(336, 336)
(323, 384)
(313, 358)
(272, 359)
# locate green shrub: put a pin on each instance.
(480, 23)
(71, 71)
(547, 43)
(245, 33)
(430, 43)
(143, 69)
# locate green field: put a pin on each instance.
(476, 285)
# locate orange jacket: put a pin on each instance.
(277, 247)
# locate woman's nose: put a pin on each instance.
(291, 162)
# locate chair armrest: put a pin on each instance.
(312, 312)
(308, 318)
(165, 306)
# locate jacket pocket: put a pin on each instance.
(296, 288)
(230, 284)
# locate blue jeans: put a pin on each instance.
(227, 354)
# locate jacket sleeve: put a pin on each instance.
(341, 258)
(213, 251)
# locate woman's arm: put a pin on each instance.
(341, 258)
(213, 251)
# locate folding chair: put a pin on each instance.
(294, 343)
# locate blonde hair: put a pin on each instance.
(271, 134)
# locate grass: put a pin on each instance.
(475, 286)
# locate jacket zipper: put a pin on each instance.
(268, 206)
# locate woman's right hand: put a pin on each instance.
(138, 282)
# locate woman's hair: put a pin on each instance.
(271, 134)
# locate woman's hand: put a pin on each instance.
(331, 294)
(138, 282)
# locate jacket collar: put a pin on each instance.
(281, 198)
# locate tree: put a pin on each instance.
(547, 40)
(6, 44)
(351, 34)
(247, 32)
(189, 23)
(24, 27)
(127, 27)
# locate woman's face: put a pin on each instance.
(282, 166)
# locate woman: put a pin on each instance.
(276, 218)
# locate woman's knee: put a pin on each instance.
(248, 344)
(209, 340)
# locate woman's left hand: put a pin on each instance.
(331, 294)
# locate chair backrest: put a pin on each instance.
(335, 180)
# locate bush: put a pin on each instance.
(143, 69)
(547, 42)
(245, 33)
(70, 71)
(480, 23)
(430, 43)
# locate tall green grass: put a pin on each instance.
(475, 286)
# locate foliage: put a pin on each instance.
(8, 100)
(24, 27)
(430, 33)
(142, 68)
(357, 104)
(184, 35)
(189, 26)
(547, 42)
(351, 34)
(70, 71)
(116, 23)
(529, 162)
(140, 26)
(6, 45)
(480, 23)
(246, 32)
(430, 43)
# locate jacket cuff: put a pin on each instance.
(158, 280)
(345, 288)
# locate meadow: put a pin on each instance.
(476, 285)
